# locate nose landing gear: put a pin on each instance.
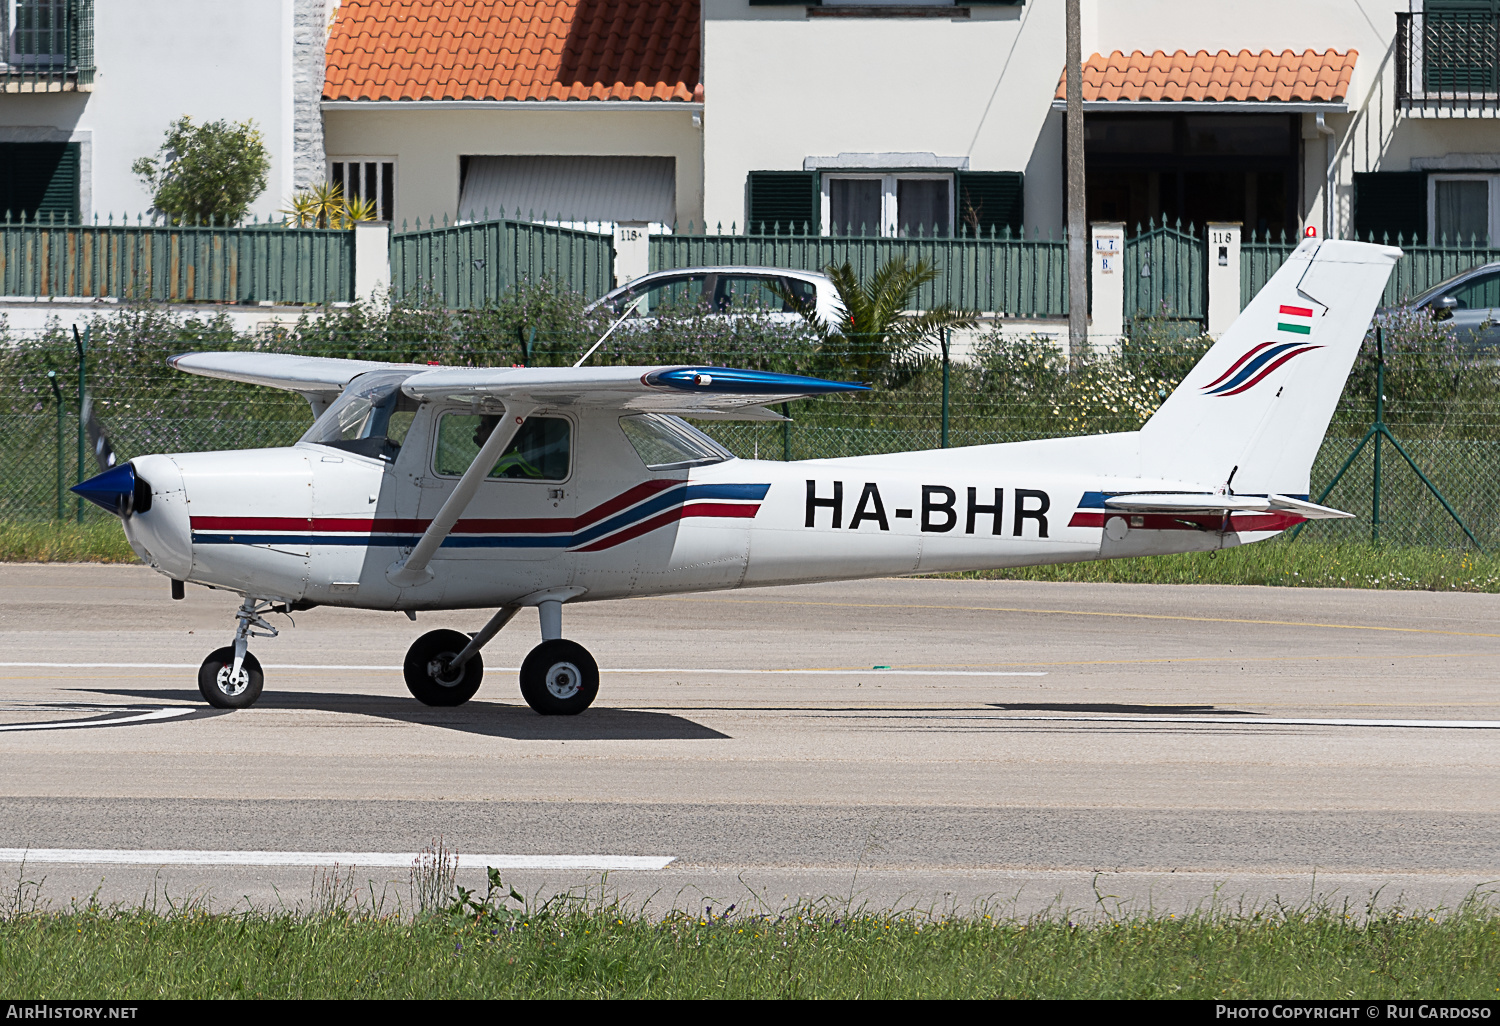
(231, 678)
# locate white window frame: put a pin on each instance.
(379, 163)
(1494, 202)
(888, 220)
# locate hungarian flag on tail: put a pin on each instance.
(1296, 319)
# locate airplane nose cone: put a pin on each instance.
(118, 490)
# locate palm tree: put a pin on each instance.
(876, 334)
(326, 206)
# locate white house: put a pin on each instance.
(86, 89)
(863, 115)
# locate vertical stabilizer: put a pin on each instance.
(1258, 404)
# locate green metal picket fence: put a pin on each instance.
(176, 263)
(1166, 273)
(998, 273)
(1260, 257)
(467, 266)
(1420, 267)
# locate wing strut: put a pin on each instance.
(413, 569)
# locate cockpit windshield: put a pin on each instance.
(371, 418)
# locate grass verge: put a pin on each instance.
(52, 541)
(603, 951)
(1284, 563)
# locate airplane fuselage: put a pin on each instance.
(314, 524)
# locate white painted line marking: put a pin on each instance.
(390, 859)
(140, 717)
(516, 669)
(1268, 721)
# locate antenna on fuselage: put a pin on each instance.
(628, 311)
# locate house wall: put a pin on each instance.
(158, 60)
(427, 140)
(780, 87)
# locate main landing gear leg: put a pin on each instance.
(444, 668)
(231, 678)
(558, 678)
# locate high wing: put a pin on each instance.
(717, 393)
(318, 379)
(709, 393)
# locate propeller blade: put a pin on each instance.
(104, 453)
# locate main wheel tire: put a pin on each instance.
(219, 690)
(559, 678)
(428, 680)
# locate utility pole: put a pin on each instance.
(1078, 256)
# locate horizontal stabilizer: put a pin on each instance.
(1308, 510)
(1214, 502)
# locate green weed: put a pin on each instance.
(567, 949)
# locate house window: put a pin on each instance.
(38, 32)
(367, 178)
(892, 203)
(1462, 209)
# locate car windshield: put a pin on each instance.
(671, 443)
(680, 291)
(1442, 288)
(371, 418)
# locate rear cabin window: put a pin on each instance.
(539, 452)
(670, 443)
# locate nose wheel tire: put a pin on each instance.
(559, 678)
(221, 688)
(428, 677)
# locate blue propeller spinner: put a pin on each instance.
(117, 490)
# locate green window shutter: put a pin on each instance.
(1390, 203)
(785, 198)
(990, 201)
(39, 180)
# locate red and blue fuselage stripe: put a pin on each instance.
(635, 512)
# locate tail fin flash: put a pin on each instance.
(1257, 405)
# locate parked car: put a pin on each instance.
(725, 291)
(1469, 303)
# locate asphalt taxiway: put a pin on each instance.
(922, 742)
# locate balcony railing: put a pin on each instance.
(48, 46)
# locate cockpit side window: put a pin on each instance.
(538, 452)
(670, 443)
(370, 419)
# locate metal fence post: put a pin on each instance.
(945, 389)
(81, 343)
(1380, 424)
(786, 433)
(57, 395)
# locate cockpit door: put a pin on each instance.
(524, 509)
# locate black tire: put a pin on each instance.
(424, 677)
(214, 683)
(559, 678)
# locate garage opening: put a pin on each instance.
(579, 191)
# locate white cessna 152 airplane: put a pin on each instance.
(424, 487)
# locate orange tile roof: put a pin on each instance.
(1285, 77)
(493, 50)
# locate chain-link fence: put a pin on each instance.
(1442, 399)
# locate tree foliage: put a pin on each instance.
(877, 335)
(210, 172)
